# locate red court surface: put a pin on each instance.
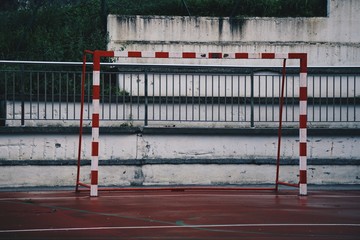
(323, 214)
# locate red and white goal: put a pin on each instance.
(97, 55)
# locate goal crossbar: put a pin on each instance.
(98, 54)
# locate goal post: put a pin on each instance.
(97, 55)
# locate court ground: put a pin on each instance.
(64, 214)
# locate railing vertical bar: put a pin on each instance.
(199, 110)
(355, 94)
(5, 98)
(166, 97)
(129, 118)
(118, 92)
(67, 96)
(340, 98)
(180, 102)
(186, 97)
(334, 105)
(225, 97)
(320, 97)
(173, 96)
(52, 95)
(239, 98)
(124, 97)
(219, 98)
(252, 100)
(138, 99)
(160, 97)
(327, 98)
(13, 95)
(153, 96)
(110, 94)
(259, 98)
(347, 98)
(272, 98)
(60, 89)
(131, 99)
(74, 94)
(266, 102)
(192, 98)
(206, 99)
(45, 94)
(30, 93)
(313, 98)
(212, 97)
(22, 80)
(232, 98)
(146, 100)
(293, 98)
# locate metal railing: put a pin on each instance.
(44, 94)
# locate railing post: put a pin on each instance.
(146, 100)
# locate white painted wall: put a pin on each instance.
(329, 41)
(52, 176)
(124, 147)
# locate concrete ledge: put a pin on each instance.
(181, 131)
(141, 162)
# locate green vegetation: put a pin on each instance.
(51, 30)
(221, 8)
(59, 30)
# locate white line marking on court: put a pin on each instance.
(184, 226)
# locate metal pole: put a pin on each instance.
(83, 75)
(280, 123)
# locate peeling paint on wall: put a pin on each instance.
(329, 41)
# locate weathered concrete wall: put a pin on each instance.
(329, 41)
(165, 174)
(50, 152)
(139, 146)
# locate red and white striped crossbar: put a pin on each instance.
(210, 55)
(193, 55)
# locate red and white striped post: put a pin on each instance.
(96, 120)
(302, 123)
(214, 55)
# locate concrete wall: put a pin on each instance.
(145, 158)
(329, 41)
